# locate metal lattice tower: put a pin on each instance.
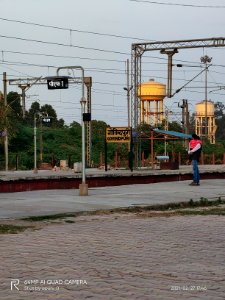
(165, 47)
(26, 83)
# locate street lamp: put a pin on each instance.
(42, 116)
(35, 140)
(83, 187)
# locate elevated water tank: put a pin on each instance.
(205, 120)
(201, 107)
(152, 91)
(151, 95)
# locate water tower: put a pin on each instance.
(151, 95)
(205, 120)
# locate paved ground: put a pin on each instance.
(57, 201)
(115, 256)
(91, 172)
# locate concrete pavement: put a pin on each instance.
(22, 204)
(117, 256)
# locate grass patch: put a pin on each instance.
(180, 207)
(48, 217)
(203, 212)
(203, 202)
(11, 229)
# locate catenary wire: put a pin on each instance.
(178, 4)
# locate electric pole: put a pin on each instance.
(170, 54)
(206, 59)
(185, 119)
(6, 129)
(128, 89)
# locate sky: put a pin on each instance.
(37, 37)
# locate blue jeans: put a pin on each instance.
(196, 176)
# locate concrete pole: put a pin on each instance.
(35, 145)
(170, 54)
(186, 123)
(128, 89)
(6, 142)
(205, 59)
(128, 94)
(83, 187)
(41, 141)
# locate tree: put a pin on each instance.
(50, 111)
(220, 120)
(60, 123)
(75, 130)
(219, 110)
(13, 101)
(98, 128)
(8, 115)
(35, 107)
(3, 114)
(175, 126)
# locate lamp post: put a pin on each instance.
(35, 141)
(128, 89)
(83, 187)
(206, 59)
(6, 142)
(42, 117)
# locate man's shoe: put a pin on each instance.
(194, 183)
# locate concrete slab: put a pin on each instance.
(23, 204)
(19, 181)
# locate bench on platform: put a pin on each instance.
(165, 163)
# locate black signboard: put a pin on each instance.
(56, 82)
(86, 117)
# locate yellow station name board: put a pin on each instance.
(118, 135)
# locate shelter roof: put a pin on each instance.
(161, 135)
(173, 133)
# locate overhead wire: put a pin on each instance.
(62, 56)
(73, 30)
(121, 72)
(90, 69)
(178, 4)
(63, 45)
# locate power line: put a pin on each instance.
(106, 71)
(63, 45)
(178, 4)
(17, 63)
(61, 56)
(107, 60)
(73, 30)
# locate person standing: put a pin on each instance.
(195, 148)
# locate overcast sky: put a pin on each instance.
(39, 36)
